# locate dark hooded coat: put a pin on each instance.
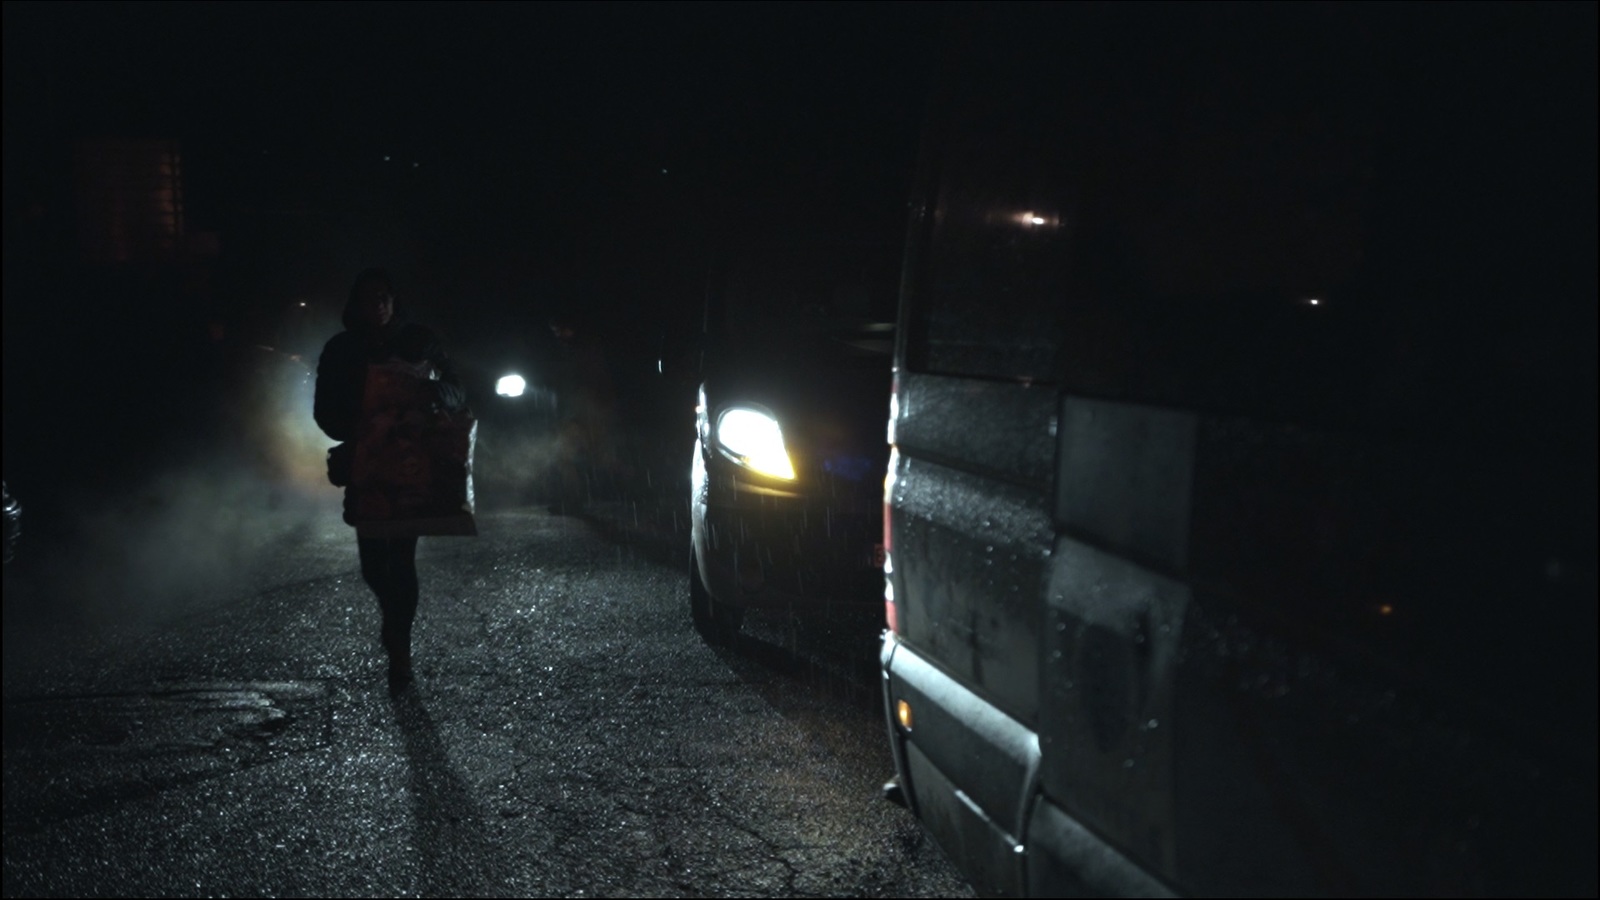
(342, 369)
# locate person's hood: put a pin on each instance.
(352, 324)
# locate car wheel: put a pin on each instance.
(718, 623)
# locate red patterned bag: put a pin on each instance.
(411, 474)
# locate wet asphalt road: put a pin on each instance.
(572, 735)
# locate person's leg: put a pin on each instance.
(389, 566)
(374, 565)
(401, 610)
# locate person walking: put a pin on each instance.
(377, 333)
(586, 454)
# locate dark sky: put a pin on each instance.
(587, 150)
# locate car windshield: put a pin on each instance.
(806, 304)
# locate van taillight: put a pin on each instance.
(888, 489)
(889, 613)
(890, 616)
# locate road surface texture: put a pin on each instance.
(190, 711)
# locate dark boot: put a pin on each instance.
(400, 673)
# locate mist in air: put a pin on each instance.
(197, 530)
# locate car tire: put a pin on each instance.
(718, 623)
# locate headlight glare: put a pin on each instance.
(510, 386)
(754, 440)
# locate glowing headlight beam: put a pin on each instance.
(755, 441)
(510, 386)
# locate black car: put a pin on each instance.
(786, 491)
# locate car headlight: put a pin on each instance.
(752, 438)
(510, 386)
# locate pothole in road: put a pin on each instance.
(71, 754)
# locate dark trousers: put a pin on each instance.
(389, 567)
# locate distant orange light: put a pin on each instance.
(1385, 609)
(902, 714)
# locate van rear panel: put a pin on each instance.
(968, 501)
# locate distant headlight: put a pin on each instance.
(753, 439)
(510, 386)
